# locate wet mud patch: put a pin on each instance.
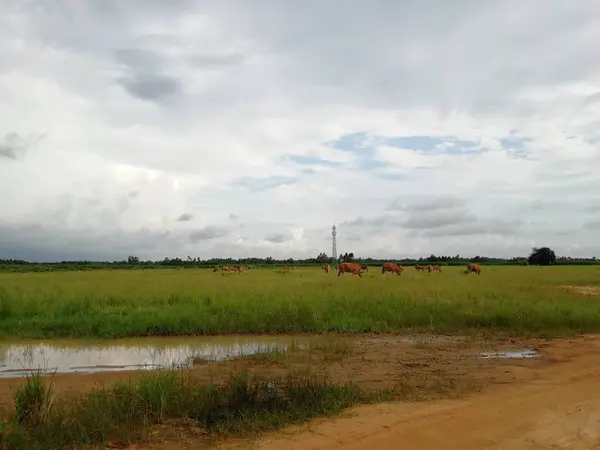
(515, 354)
(412, 368)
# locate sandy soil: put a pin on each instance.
(551, 406)
(465, 402)
(584, 290)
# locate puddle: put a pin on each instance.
(17, 359)
(519, 354)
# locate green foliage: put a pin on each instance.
(134, 263)
(33, 400)
(518, 300)
(125, 412)
(543, 256)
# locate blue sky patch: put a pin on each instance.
(257, 184)
(434, 144)
(355, 143)
(369, 163)
(515, 146)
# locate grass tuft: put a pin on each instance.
(34, 400)
(124, 413)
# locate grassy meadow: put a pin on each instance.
(518, 300)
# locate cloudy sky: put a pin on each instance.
(236, 128)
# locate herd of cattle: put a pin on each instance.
(358, 269)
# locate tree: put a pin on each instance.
(322, 257)
(347, 257)
(543, 256)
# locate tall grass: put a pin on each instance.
(126, 412)
(518, 300)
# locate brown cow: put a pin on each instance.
(352, 268)
(423, 268)
(391, 267)
(473, 268)
(231, 269)
(364, 267)
(436, 269)
(325, 267)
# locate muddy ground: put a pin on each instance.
(448, 396)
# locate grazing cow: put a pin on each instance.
(352, 268)
(364, 267)
(473, 268)
(231, 269)
(325, 267)
(216, 269)
(436, 269)
(391, 267)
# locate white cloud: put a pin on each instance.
(166, 128)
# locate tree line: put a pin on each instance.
(538, 256)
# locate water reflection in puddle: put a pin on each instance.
(525, 353)
(17, 359)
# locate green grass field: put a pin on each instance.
(518, 300)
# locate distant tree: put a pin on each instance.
(347, 257)
(543, 256)
(133, 259)
(322, 257)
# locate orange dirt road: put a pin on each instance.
(556, 407)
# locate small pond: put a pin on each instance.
(18, 358)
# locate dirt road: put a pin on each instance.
(549, 402)
(555, 407)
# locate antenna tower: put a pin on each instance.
(334, 255)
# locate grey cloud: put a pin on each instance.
(276, 238)
(592, 225)
(152, 87)
(207, 233)
(352, 238)
(233, 217)
(493, 226)
(427, 204)
(357, 68)
(549, 205)
(185, 217)
(37, 242)
(14, 146)
(592, 99)
(594, 208)
(438, 219)
(216, 61)
(377, 222)
(139, 59)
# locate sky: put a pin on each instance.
(236, 129)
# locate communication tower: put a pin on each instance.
(334, 256)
